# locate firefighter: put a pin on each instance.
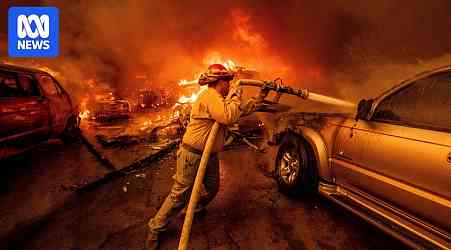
(211, 105)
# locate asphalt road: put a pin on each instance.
(39, 210)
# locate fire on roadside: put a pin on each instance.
(84, 114)
(188, 99)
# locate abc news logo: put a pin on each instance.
(24, 30)
(33, 32)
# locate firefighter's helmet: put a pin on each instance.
(214, 73)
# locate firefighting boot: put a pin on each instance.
(152, 241)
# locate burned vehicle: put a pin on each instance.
(389, 164)
(104, 105)
(33, 108)
(149, 99)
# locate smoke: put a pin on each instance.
(345, 48)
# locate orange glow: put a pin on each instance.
(241, 42)
(212, 59)
(249, 47)
(244, 30)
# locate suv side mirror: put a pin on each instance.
(363, 109)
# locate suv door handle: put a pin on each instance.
(449, 157)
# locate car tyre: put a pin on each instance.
(295, 170)
(72, 131)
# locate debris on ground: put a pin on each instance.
(137, 165)
(141, 130)
(117, 141)
(140, 175)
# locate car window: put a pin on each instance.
(425, 103)
(9, 86)
(28, 85)
(48, 85)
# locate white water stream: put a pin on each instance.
(330, 100)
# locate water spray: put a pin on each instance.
(277, 87)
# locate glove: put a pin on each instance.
(264, 91)
(276, 85)
(248, 107)
(236, 90)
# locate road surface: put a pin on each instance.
(39, 210)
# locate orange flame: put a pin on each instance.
(216, 58)
(191, 99)
(84, 114)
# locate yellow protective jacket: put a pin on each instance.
(209, 107)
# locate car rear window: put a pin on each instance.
(48, 85)
(28, 85)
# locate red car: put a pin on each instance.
(33, 108)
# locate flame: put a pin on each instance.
(215, 58)
(191, 99)
(84, 114)
(146, 124)
(230, 65)
(188, 99)
(184, 83)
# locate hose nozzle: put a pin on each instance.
(275, 86)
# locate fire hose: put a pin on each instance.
(195, 193)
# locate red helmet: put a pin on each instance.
(214, 73)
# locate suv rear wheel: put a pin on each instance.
(295, 167)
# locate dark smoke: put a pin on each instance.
(346, 48)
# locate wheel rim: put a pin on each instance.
(290, 166)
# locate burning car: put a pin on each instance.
(33, 108)
(389, 164)
(149, 99)
(105, 105)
